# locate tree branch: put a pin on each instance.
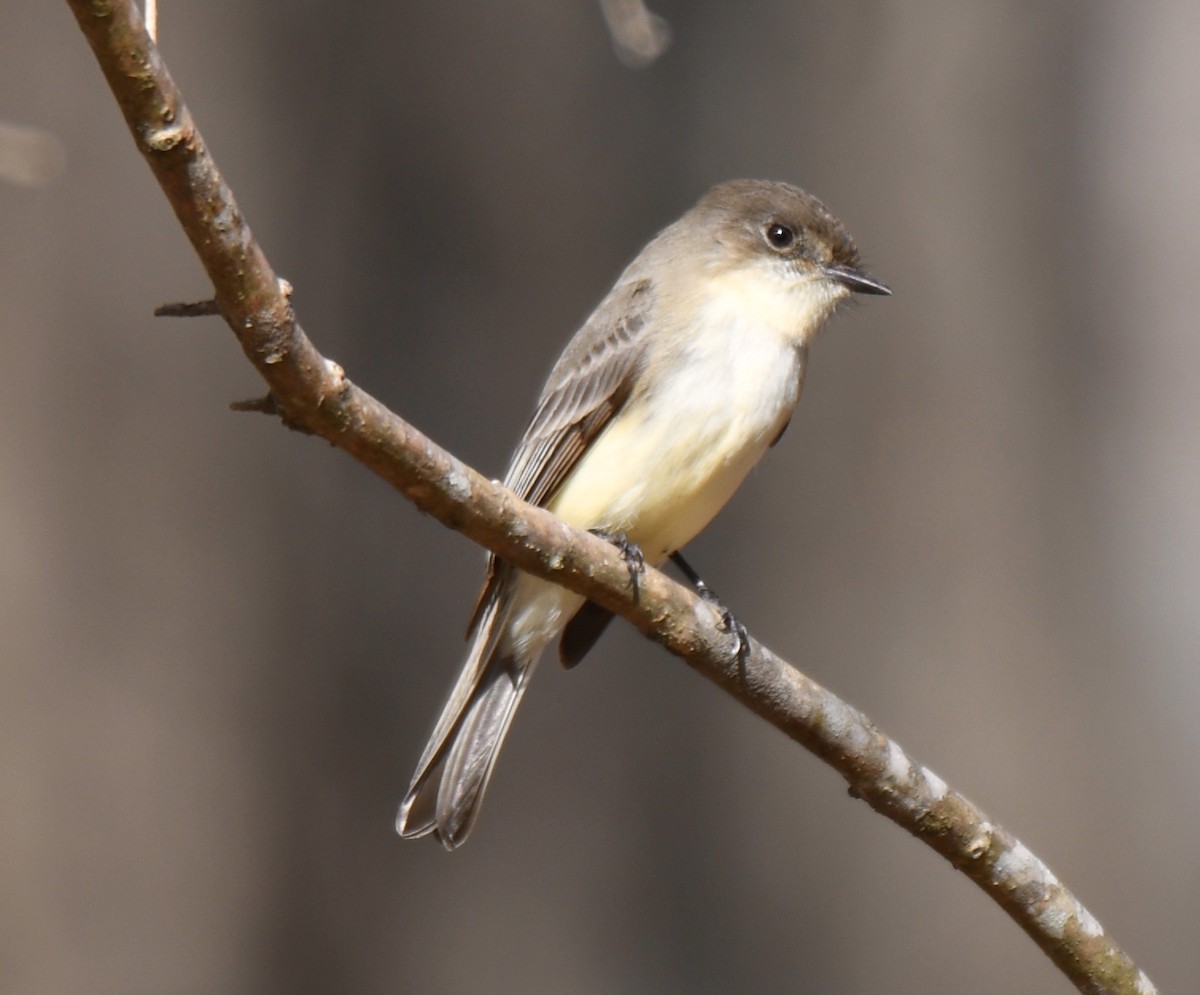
(313, 394)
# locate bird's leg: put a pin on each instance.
(729, 621)
(631, 553)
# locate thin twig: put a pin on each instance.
(188, 309)
(263, 405)
(313, 393)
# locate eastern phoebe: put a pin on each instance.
(653, 415)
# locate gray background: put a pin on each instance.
(224, 644)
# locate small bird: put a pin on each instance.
(657, 409)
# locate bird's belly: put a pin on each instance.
(664, 467)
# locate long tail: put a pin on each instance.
(453, 774)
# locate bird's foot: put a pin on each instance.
(729, 621)
(732, 624)
(631, 553)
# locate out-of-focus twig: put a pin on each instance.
(314, 394)
(29, 157)
(639, 37)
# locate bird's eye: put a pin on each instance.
(779, 236)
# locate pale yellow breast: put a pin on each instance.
(718, 389)
(672, 459)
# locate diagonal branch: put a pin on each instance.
(313, 394)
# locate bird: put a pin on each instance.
(671, 391)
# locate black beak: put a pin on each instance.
(857, 281)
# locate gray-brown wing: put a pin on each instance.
(589, 384)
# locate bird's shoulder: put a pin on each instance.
(600, 359)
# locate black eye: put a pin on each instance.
(780, 236)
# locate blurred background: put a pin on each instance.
(224, 643)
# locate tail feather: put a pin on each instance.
(485, 634)
(446, 791)
(472, 756)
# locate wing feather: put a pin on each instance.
(589, 384)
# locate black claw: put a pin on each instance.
(729, 621)
(631, 553)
